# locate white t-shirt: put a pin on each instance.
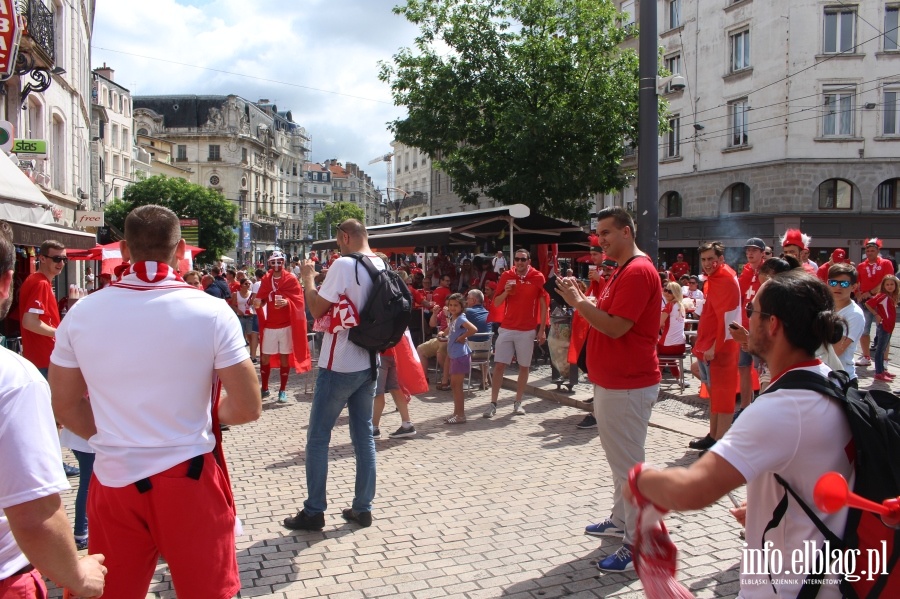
(800, 435)
(673, 329)
(148, 358)
(244, 305)
(30, 466)
(338, 352)
(856, 320)
(499, 264)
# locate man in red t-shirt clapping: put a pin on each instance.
(521, 289)
(622, 364)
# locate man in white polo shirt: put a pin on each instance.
(345, 379)
(160, 486)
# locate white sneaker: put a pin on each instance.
(518, 410)
(863, 361)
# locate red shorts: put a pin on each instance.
(23, 586)
(190, 523)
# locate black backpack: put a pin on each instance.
(874, 419)
(387, 313)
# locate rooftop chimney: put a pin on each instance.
(106, 72)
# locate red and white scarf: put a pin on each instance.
(142, 276)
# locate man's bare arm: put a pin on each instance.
(693, 488)
(70, 406)
(44, 535)
(32, 322)
(241, 401)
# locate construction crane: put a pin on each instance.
(387, 159)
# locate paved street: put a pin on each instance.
(490, 508)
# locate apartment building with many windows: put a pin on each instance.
(789, 117)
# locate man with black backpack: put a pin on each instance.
(791, 432)
(344, 377)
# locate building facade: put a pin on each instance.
(48, 102)
(429, 190)
(113, 145)
(789, 117)
(249, 151)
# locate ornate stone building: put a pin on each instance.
(249, 151)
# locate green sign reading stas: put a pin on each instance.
(30, 146)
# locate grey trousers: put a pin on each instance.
(623, 416)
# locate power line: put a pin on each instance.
(194, 66)
(708, 135)
(786, 77)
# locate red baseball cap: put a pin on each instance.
(839, 255)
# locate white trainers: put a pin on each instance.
(863, 361)
(518, 410)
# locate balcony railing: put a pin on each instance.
(40, 26)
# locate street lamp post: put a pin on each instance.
(396, 204)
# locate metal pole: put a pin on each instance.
(647, 203)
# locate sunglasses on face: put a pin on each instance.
(58, 259)
(520, 259)
(836, 283)
(750, 311)
(276, 262)
(666, 291)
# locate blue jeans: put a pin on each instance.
(334, 390)
(86, 465)
(882, 341)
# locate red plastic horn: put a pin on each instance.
(831, 493)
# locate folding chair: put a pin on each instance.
(677, 360)
(481, 345)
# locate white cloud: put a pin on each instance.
(306, 45)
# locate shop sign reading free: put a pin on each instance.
(9, 38)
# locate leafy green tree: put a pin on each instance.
(217, 215)
(333, 215)
(527, 101)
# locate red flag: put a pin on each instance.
(410, 374)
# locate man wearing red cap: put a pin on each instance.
(680, 267)
(871, 272)
(838, 256)
(793, 243)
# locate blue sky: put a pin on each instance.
(308, 45)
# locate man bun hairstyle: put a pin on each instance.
(805, 307)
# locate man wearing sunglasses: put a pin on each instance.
(38, 310)
(282, 325)
(521, 289)
(842, 282)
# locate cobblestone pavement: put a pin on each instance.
(490, 508)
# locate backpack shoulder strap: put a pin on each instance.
(367, 262)
(812, 381)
